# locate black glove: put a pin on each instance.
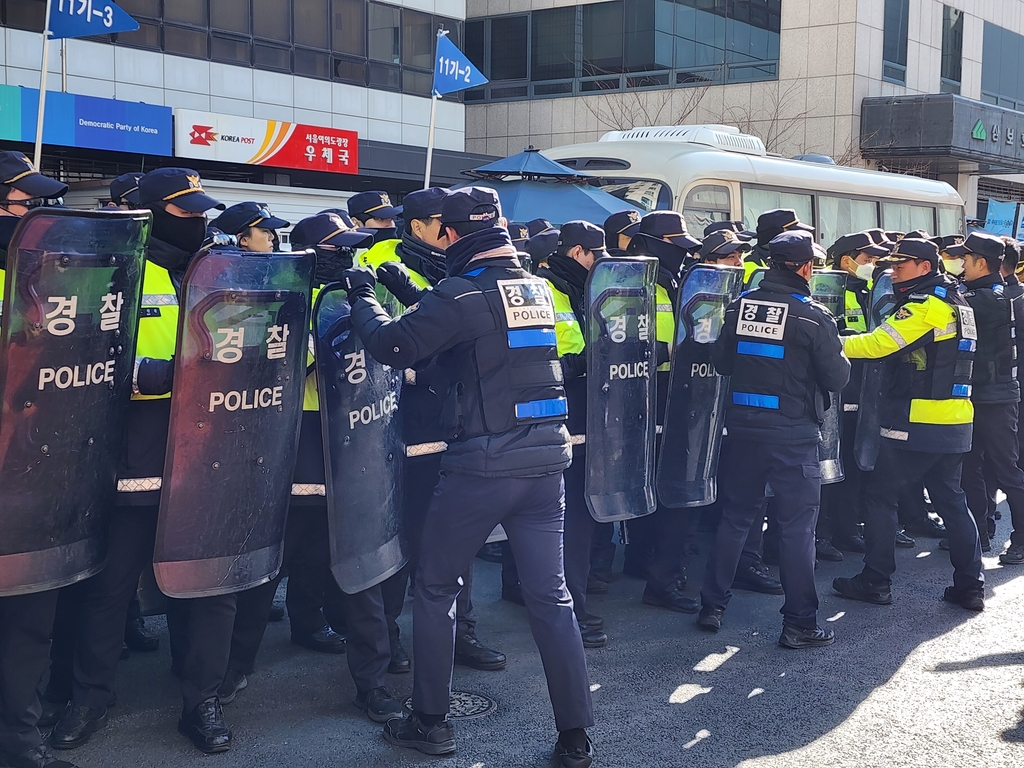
(573, 365)
(359, 282)
(397, 280)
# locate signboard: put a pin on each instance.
(86, 122)
(231, 139)
(1001, 218)
(452, 70)
(83, 18)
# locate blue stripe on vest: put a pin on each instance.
(542, 409)
(532, 337)
(800, 297)
(961, 390)
(756, 401)
(967, 345)
(760, 350)
(940, 291)
(475, 272)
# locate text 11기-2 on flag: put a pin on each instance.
(452, 70)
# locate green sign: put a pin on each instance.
(979, 131)
(10, 114)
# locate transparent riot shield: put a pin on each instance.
(869, 438)
(363, 449)
(620, 296)
(756, 277)
(695, 411)
(235, 406)
(70, 313)
(828, 287)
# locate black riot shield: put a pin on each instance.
(238, 383)
(829, 288)
(869, 437)
(363, 449)
(620, 298)
(695, 412)
(70, 312)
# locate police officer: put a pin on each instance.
(543, 241)
(253, 226)
(580, 244)
(723, 246)
(928, 343)
(419, 257)
(770, 225)
(373, 210)
(200, 628)
(25, 620)
(994, 391)
(503, 465)
(619, 229)
(782, 351)
(124, 191)
(519, 233)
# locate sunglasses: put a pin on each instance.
(33, 202)
(263, 215)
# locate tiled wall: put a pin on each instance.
(108, 71)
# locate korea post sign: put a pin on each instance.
(231, 139)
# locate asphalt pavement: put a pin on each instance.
(918, 683)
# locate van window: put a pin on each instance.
(647, 194)
(838, 216)
(757, 201)
(705, 204)
(951, 220)
(900, 217)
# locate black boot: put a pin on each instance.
(672, 598)
(470, 653)
(412, 733)
(800, 637)
(379, 705)
(234, 681)
(574, 749)
(138, 638)
(77, 725)
(400, 663)
(858, 588)
(206, 728)
(757, 578)
(37, 757)
(325, 640)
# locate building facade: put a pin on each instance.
(824, 77)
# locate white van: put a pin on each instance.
(715, 173)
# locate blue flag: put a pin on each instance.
(452, 70)
(84, 18)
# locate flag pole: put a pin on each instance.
(430, 139)
(42, 86)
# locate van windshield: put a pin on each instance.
(646, 194)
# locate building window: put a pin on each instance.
(1002, 54)
(385, 30)
(952, 49)
(894, 41)
(625, 44)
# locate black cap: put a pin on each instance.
(893, 236)
(777, 221)
(622, 223)
(17, 171)
(590, 236)
(342, 214)
(519, 232)
(537, 226)
(241, 216)
(180, 186)
(542, 245)
(374, 205)
(477, 205)
(670, 225)
(423, 203)
(918, 234)
(945, 242)
(124, 190)
(857, 242)
(730, 226)
(328, 229)
(795, 247)
(914, 248)
(981, 244)
(721, 243)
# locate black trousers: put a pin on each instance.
(579, 531)
(842, 505)
(203, 626)
(897, 470)
(674, 530)
(795, 477)
(25, 625)
(313, 597)
(463, 512)
(995, 452)
(252, 613)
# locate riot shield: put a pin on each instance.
(869, 437)
(70, 313)
(620, 296)
(695, 412)
(756, 277)
(829, 288)
(238, 382)
(363, 449)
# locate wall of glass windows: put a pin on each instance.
(624, 44)
(1002, 57)
(351, 41)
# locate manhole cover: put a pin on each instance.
(464, 705)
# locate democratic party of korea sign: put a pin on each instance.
(86, 121)
(231, 139)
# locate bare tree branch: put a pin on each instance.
(633, 108)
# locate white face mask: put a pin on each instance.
(954, 267)
(865, 271)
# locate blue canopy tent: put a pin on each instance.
(530, 186)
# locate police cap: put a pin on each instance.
(372, 205)
(917, 234)
(342, 214)
(668, 225)
(242, 216)
(989, 247)
(730, 226)
(583, 233)
(721, 243)
(124, 190)
(17, 171)
(537, 226)
(945, 242)
(180, 186)
(777, 221)
(913, 249)
(423, 203)
(856, 244)
(519, 232)
(795, 247)
(328, 229)
(476, 205)
(622, 223)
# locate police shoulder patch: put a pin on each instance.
(527, 302)
(903, 313)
